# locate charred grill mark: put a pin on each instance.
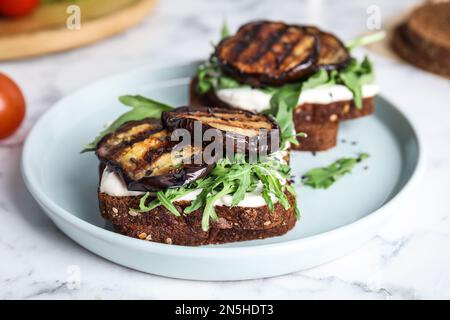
(266, 45)
(332, 54)
(117, 149)
(299, 54)
(242, 44)
(288, 47)
(128, 134)
(133, 157)
(152, 154)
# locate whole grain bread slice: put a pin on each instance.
(160, 225)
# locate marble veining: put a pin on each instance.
(409, 259)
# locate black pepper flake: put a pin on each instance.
(354, 143)
(366, 167)
(343, 141)
(313, 153)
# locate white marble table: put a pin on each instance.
(410, 258)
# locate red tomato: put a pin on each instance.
(17, 8)
(12, 106)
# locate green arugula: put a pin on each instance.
(323, 178)
(365, 40)
(233, 178)
(282, 105)
(225, 31)
(142, 108)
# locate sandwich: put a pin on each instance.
(194, 175)
(303, 76)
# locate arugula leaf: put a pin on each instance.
(351, 81)
(167, 203)
(227, 83)
(364, 40)
(282, 105)
(142, 108)
(243, 187)
(225, 31)
(367, 71)
(321, 77)
(141, 101)
(291, 189)
(322, 178)
(354, 76)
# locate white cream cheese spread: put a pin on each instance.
(257, 100)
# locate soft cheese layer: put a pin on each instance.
(258, 100)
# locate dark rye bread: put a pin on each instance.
(321, 136)
(332, 112)
(424, 38)
(319, 121)
(407, 51)
(428, 27)
(159, 225)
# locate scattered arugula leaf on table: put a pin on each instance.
(324, 177)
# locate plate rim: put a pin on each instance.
(45, 201)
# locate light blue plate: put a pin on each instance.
(334, 221)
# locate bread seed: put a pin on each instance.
(133, 213)
(169, 241)
(142, 235)
(333, 117)
(149, 237)
(115, 210)
(267, 223)
(346, 108)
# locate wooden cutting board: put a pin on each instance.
(46, 31)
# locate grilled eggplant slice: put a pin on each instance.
(248, 131)
(144, 155)
(332, 54)
(268, 53)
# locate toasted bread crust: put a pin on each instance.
(159, 225)
(332, 112)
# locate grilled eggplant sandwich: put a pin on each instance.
(180, 192)
(303, 76)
